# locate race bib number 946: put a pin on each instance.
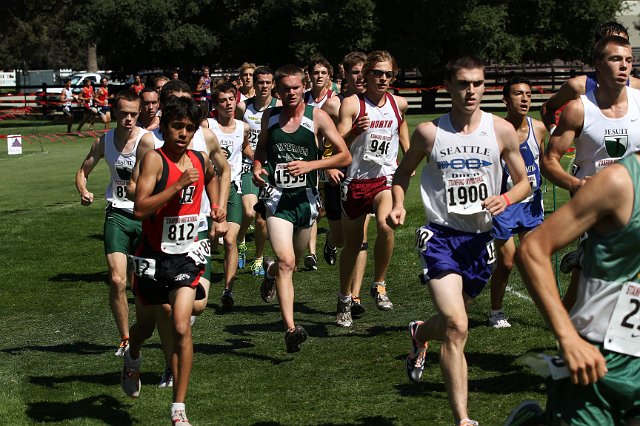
(623, 334)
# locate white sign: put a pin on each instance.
(14, 144)
(7, 78)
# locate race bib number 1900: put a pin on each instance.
(623, 334)
(465, 194)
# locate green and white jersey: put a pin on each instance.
(609, 262)
(283, 147)
(253, 117)
(121, 166)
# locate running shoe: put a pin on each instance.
(343, 314)
(356, 307)
(527, 413)
(330, 253)
(571, 260)
(468, 422)
(499, 320)
(179, 418)
(294, 338)
(122, 347)
(418, 354)
(242, 255)
(130, 377)
(256, 268)
(268, 287)
(311, 262)
(379, 294)
(227, 298)
(166, 380)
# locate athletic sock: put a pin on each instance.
(375, 284)
(496, 312)
(177, 406)
(345, 299)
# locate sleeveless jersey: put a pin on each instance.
(460, 173)
(592, 82)
(197, 144)
(120, 165)
(375, 152)
(530, 151)
(231, 144)
(253, 117)
(68, 95)
(103, 95)
(283, 147)
(609, 261)
(173, 228)
(87, 94)
(308, 98)
(604, 140)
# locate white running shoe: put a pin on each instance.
(166, 380)
(122, 347)
(179, 418)
(130, 377)
(499, 320)
(343, 314)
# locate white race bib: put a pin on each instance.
(623, 334)
(284, 179)
(246, 168)
(376, 149)
(200, 251)
(143, 267)
(178, 233)
(120, 190)
(465, 194)
(266, 191)
(423, 235)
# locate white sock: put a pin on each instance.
(177, 406)
(494, 313)
(375, 284)
(345, 299)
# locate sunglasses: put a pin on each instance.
(380, 73)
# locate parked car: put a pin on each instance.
(77, 81)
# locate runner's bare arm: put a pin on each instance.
(260, 155)
(224, 175)
(145, 145)
(96, 152)
(570, 90)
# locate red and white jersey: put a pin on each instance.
(173, 228)
(309, 100)
(375, 152)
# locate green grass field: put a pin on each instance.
(56, 350)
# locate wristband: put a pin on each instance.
(214, 206)
(506, 199)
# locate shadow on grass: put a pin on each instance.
(105, 379)
(67, 277)
(232, 349)
(98, 237)
(373, 420)
(101, 407)
(78, 348)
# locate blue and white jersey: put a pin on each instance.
(530, 151)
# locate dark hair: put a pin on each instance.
(171, 87)
(599, 50)
(263, 69)
(352, 59)
(286, 71)
(179, 107)
(609, 28)
(319, 60)
(147, 90)
(466, 62)
(126, 95)
(67, 80)
(222, 88)
(516, 79)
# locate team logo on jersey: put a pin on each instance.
(123, 173)
(186, 195)
(463, 163)
(616, 145)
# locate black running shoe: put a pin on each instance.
(294, 338)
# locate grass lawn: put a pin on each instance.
(58, 340)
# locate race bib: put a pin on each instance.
(464, 195)
(143, 267)
(200, 251)
(376, 148)
(284, 179)
(491, 252)
(266, 192)
(246, 168)
(344, 190)
(253, 138)
(423, 235)
(322, 176)
(623, 334)
(178, 233)
(120, 190)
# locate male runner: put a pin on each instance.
(66, 99)
(352, 63)
(149, 119)
(460, 190)
(233, 137)
(250, 111)
(576, 86)
(246, 91)
(287, 157)
(373, 126)
(86, 101)
(598, 338)
(518, 218)
(604, 123)
(121, 229)
(171, 259)
(320, 71)
(102, 102)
